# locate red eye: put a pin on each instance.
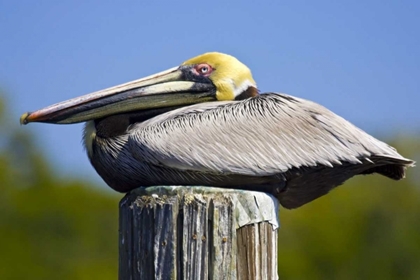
(203, 69)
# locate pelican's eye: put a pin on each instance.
(203, 69)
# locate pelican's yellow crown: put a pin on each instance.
(230, 76)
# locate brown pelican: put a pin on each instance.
(204, 123)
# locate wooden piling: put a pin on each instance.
(197, 233)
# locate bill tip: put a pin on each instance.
(24, 118)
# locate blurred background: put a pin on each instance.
(58, 220)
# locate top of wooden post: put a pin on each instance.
(250, 206)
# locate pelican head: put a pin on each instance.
(208, 77)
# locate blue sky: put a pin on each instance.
(361, 59)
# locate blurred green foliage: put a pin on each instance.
(51, 227)
(55, 228)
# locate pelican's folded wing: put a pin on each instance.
(260, 136)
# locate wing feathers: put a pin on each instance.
(261, 136)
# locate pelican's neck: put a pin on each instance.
(249, 91)
(89, 135)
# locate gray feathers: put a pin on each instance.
(268, 140)
(260, 136)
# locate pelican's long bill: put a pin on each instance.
(173, 87)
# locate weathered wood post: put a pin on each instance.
(197, 233)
